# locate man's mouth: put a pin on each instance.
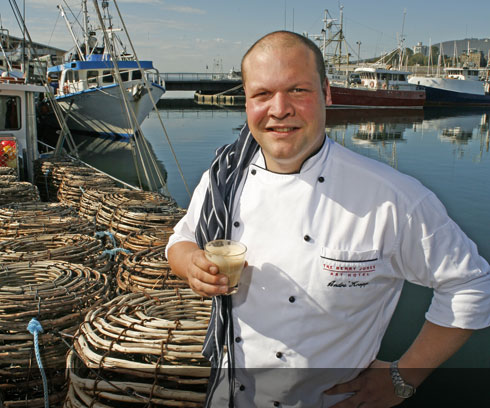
(281, 129)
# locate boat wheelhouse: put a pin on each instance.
(18, 127)
(384, 78)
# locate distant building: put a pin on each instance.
(19, 55)
(421, 49)
(472, 58)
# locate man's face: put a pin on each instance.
(285, 104)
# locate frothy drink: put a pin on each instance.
(229, 256)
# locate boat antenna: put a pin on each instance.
(147, 85)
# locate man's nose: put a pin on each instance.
(280, 106)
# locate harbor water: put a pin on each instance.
(447, 150)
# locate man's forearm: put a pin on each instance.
(432, 347)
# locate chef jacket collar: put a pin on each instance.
(317, 157)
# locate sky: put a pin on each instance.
(212, 35)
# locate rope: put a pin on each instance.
(35, 328)
(153, 102)
(115, 251)
(101, 234)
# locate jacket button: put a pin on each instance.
(242, 387)
(321, 179)
(238, 339)
(292, 299)
(254, 172)
(277, 403)
(278, 354)
(307, 238)
(236, 224)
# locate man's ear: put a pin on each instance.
(327, 92)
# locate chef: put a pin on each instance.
(331, 237)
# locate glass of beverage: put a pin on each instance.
(229, 257)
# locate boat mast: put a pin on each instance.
(341, 35)
(85, 26)
(455, 57)
(402, 41)
(68, 25)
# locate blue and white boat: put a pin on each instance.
(87, 88)
(462, 86)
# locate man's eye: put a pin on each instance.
(261, 94)
(298, 90)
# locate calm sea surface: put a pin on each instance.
(447, 150)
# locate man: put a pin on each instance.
(331, 238)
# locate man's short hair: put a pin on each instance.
(289, 39)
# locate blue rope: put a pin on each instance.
(100, 234)
(113, 252)
(35, 328)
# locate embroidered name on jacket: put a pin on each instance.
(349, 270)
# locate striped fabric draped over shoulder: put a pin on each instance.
(225, 174)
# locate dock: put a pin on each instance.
(205, 83)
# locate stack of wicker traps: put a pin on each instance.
(48, 174)
(111, 202)
(92, 200)
(73, 248)
(7, 171)
(17, 191)
(133, 217)
(77, 180)
(57, 294)
(145, 239)
(22, 219)
(147, 271)
(139, 351)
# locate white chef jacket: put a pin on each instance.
(328, 251)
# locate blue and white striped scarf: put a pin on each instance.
(225, 175)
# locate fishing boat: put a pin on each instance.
(18, 131)
(459, 86)
(377, 85)
(101, 83)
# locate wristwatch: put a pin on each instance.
(402, 388)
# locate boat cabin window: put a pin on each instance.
(92, 77)
(107, 77)
(9, 112)
(124, 76)
(136, 74)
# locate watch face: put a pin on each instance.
(404, 390)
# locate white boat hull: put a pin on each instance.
(449, 84)
(101, 110)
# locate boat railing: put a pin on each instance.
(194, 76)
